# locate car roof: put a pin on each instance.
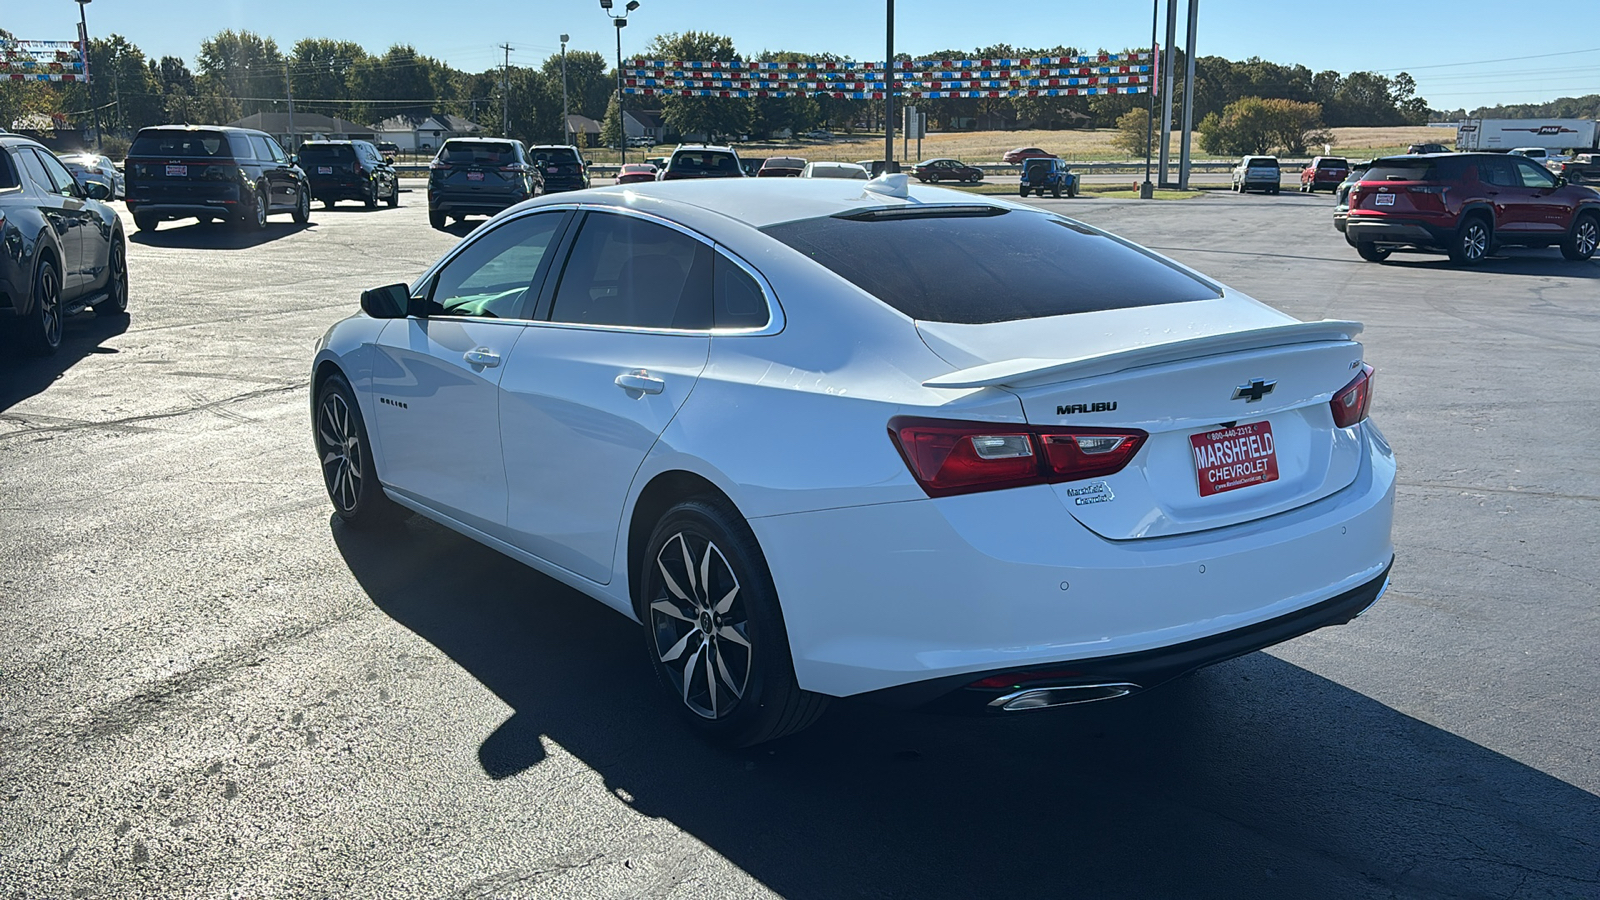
(760, 202)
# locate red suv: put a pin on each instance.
(1466, 204)
(1323, 172)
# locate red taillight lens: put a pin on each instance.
(955, 457)
(1352, 404)
(355, 168)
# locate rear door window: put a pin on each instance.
(259, 145)
(1498, 171)
(626, 271)
(978, 265)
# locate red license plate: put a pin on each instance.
(474, 176)
(1231, 458)
(177, 171)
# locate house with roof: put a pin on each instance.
(647, 123)
(305, 126)
(585, 132)
(418, 134)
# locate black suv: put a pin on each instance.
(212, 172)
(562, 166)
(703, 161)
(479, 177)
(348, 170)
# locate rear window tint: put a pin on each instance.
(978, 269)
(1413, 169)
(1332, 164)
(1261, 162)
(476, 154)
(327, 152)
(555, 155)
(698, 161)
(179, 144)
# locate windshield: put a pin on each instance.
(478, 153)
(989, 266)
(180, 144)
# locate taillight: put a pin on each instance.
(956, 457)
(355, 168)
(1352, 404)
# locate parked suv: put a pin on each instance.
(1323, 172)
(212, 172)
(1256, 172)
(348, 170)
(1468, 203)
(1048, 174)
(702, 161)
(561, 165)
(479, 177)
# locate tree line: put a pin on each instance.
(237, 73)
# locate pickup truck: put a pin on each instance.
(1581, 169)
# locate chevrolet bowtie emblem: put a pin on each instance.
(1253, 391)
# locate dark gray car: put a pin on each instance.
(479, 177)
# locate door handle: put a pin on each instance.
(482, 356)
(642, 381)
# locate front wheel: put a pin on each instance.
(1372, 252)
(714, 630)
(43, 333)
(371, 199)
(394, 193)
(116, 302)
(346, 456)
(1471, 244)
(302, 208)
(1056, 193)
(1581, 242)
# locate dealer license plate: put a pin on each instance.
(1231, 458)
(474, 176)
(177, 171)
(324, 170)
(1384, 200)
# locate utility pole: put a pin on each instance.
(116, 93)
(288, 87)
(566, 122)
(505, 93)
(1166, 90)
(1188, 96)
(888, 92)
(1147, 190)
(83, 37)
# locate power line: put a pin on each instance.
(1481, 62)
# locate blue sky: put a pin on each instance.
(1457, 61)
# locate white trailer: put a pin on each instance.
(1505, 134)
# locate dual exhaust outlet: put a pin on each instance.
(1048, 696)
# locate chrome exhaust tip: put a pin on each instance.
(1045, 697)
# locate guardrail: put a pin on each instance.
(1104, 168)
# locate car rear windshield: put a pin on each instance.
(979, 265)
(476, 154)
(178, 144)
(327, 153)
(704, 161)
(554, 156)
(1413, 169)
(1261, 162)
(1332, 164)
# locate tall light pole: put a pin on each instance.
(620, 22)
(1147, 190)
(83, 36)
(888, 93)
(566, 122)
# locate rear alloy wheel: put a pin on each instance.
(933, 177)
(713, 629)
(44, 330)
(302, 208)
(254, 216)
(1471, 245)
(346, 456)
(1581, 242)
(1372, 252)
(371, 199)
(116, 302)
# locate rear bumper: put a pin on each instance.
(339, 190)
(478, 204)
(1362, 229)
(215, 208)
(939, 592)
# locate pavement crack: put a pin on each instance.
(1477, 489)
(213, 406)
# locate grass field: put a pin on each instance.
(1085, 145)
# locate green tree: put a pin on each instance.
(1257, 125)
(243, 67)
(611, 126)
(401, 82)
(320, 70)
(590, 83)
(1133, 132)
(710, 116)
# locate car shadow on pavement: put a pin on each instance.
(22, 374)
(215, 236)
(1540, 263)
(1252, 778)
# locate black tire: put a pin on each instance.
(302, 208)
(1473, 239)
(394, 193)
(1273, 190)
(345, 454)
(254, 216)
(1072, 191)
(145, 221)
(1022, 191)
(1581, 241)
(436, 219)
(371, 199)
(933, 178)
(42, 333)
(116, 302)
(1056, 193)
(328, 204)
(1372, 252)
(727, 614)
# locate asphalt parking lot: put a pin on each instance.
(208, 688)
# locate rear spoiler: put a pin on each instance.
(1016, 371)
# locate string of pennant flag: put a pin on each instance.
(41, 61)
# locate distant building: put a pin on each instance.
(584, 130)
(647, 123)
(307, 127)
(415, 134)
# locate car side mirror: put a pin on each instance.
(389, 302)
(389, 160)
(96, 190)
(294, 159)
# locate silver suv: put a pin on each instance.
(702, 161)
(1256, 173)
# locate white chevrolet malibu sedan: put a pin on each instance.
(828, 438)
